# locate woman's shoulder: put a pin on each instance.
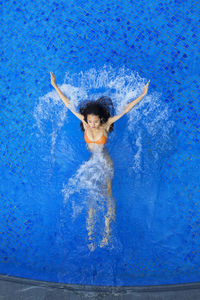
(85, 125)
(106, 126)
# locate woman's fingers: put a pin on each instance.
(53, 79)
(148, 82)
(147, 85)
(53, 76)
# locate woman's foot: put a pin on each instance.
(91, 247)
(104, 242)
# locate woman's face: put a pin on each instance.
(93, 121)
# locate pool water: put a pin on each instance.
(53, 211)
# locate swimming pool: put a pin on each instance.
(109, 48)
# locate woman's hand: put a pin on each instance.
(146, 88)
(53, 79)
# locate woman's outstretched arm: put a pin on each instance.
(130, 105)
(63, 97)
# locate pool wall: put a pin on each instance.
(20, 288)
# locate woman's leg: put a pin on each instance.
(109, 183)
(111, 212)
(90, 228)
(109, 217)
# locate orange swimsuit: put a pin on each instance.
(102, 139)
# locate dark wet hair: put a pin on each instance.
(102, 107)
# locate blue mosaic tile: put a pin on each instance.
(158, 40)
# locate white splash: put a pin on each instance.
(150, 116)
(137, 156)
(92, 177)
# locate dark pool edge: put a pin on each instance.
(19, 285)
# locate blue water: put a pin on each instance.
(108, 48)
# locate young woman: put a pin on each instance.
(97, 122)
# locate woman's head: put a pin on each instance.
(93, 121)
(96, 113)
